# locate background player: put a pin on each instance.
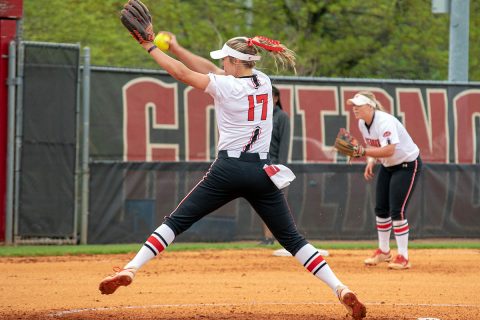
(243, 108)
(388, 141)
(279, 146)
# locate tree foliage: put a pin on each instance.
(388, 39)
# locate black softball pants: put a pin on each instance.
(395, 186)
(229, 178)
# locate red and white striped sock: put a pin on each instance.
(156, 243)
(384, 228)
(314, 263)
(401, 230)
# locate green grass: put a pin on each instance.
(60, 250)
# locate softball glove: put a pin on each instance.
(138, 21)
(347, 145)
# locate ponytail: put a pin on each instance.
(278, 51)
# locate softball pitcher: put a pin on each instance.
(388, 141)
(243, 107)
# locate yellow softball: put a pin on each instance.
(162, 41)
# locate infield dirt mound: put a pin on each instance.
(239, 285)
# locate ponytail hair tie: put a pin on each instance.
(267, 43)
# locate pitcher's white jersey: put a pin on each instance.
(244, 111)
(385, 129)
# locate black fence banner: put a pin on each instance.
(46, 176)
(153, 138)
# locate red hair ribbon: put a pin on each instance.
(271, 45)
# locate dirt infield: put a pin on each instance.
(239, 284)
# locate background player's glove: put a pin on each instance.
(347, 145)
(137, 19)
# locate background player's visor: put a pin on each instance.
(360, 100)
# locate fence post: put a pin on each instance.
(18, 137)
(85, 114)
(12, 82)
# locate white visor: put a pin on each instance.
(360, 100)
(226, 51)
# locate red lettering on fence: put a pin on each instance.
(313, 104)
(198, 107)
(428, 131)
(149, 104)
(466, 107)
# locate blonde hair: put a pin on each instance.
(371, 96)
(253, 46)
